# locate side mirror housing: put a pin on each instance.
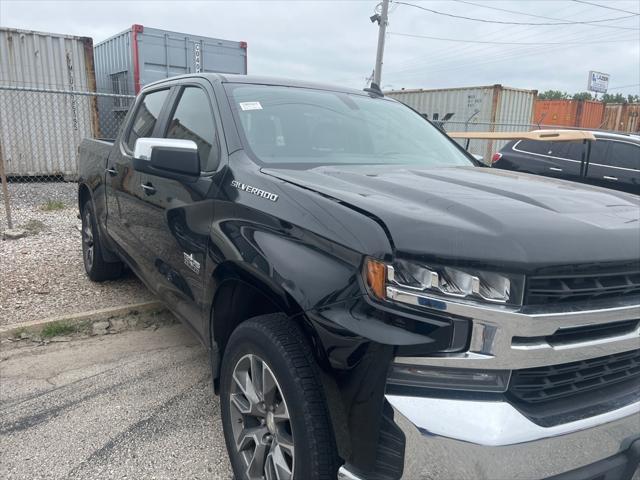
(167, 157)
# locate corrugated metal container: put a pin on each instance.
(474, 109)
(555, 112)
(622, 117)
(569, 113)
(142, 55)
(590, 114)
(40, 131)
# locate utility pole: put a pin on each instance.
(382, 30)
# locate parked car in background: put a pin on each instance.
(612, 161)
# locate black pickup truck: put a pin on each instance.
(376, 304)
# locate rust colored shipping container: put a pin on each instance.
(589, 114)
(555, 112)
(569, 113)
(622, 117)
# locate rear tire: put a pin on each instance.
(97, 269)
(273, 407)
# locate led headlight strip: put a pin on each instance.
(443, 281)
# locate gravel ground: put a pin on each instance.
(42, 275)
(136, 405)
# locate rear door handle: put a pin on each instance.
(111, 171)
(148, 188)
(607, 177)
(555, 169)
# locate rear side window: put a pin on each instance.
(625, 155)
(599, 151)
(193, 120)
(146, 116)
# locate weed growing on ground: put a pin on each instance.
(57, 328)
(52, 205)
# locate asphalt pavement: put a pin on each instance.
(136, 405)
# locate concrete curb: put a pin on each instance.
(147, 313)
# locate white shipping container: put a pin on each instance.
(40, 131)
(485, 108)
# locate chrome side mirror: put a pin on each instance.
(167, 157)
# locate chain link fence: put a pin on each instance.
(40, 132)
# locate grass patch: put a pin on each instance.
(17, 333)
(55, 329)
(53, 205)
(33, 227)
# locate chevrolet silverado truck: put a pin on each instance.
(375, 303)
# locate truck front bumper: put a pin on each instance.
(463, 438)
(478, 440)
(460, 439)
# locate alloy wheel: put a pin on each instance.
(87, 239)
(261, 422)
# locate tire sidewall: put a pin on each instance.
(253, 341)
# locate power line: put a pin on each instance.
(413, 35)
(605, 6)
(624, 86)
(517, 51)
(502, 22)
(533, 15)
(442, 58)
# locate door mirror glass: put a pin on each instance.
(167, 157)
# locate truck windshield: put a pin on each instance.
(289, 125)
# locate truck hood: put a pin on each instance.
(484, 215)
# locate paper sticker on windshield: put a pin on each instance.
(250, 106)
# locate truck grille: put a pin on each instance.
(563, 289)
(546, 384)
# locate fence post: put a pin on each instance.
(5, 190)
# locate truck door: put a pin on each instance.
(124, 194)
(178, 215)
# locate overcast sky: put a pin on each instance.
(334, 41)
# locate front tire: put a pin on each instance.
(275, 418)
(97, 269)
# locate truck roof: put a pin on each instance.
(261, 80)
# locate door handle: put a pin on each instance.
(148, 188)
(555, 169)
(111, 171)
(607, 177)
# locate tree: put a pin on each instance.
(582, 96)
(553, 95)
(611, 98)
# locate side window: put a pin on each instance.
(535, 146)
(193, 120)
(599, 152)
(146, 117)
(625, 155)
(574, 150)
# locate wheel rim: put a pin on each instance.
(87, 240)
(260, 421)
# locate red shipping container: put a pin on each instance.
(569, 113)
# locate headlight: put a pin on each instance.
(462, 283)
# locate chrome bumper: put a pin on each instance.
(492, 440)
(478, 439)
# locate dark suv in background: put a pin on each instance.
(612, 162)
